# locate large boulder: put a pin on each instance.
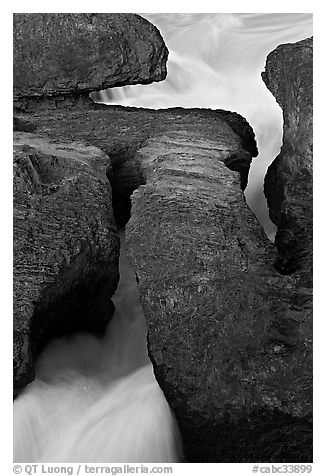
(66, 249)
(64, 55)
(288, 182)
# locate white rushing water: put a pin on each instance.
(215, 61)
(96, 400)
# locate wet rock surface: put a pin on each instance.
(65, 245)
(65, 56)
(288, 182)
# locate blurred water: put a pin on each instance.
(97, 400)
(215, 62)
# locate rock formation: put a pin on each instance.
(230, 340)
(65, 246)
(229, 337)
(288, 182)
(61, 58)
(65, 242)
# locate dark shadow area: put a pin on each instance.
(125, 177)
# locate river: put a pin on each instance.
(97, 400)
(215, 61)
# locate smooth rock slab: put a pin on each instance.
(65, 245)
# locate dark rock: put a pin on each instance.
(240, 161)
(229, 338)
(230, 348)
(65, 242)
(288, 182)
(65, 245)
(22, 125)
(120, 132)
(72, 54)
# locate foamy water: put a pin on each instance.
(97, 400)
(215, 61)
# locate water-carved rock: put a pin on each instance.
(288, 182)
(65, 241)
(230, 339)
(66, 56)
(65, 245)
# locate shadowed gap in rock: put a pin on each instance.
(125, 177)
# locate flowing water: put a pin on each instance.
(96, 400)
(215, 61)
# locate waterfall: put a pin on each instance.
(97, 400)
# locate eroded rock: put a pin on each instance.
(65, 242)
(120, 131)
(230, 340)
(65, 56)
(65, 245)
(288, 182)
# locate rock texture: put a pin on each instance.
(68, 55)
(63, 148)
(65, 245)
(120, 131)
(65, 242)
(288, 183)
(229, 338)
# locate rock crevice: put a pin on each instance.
(65, 238)
(230, 339)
